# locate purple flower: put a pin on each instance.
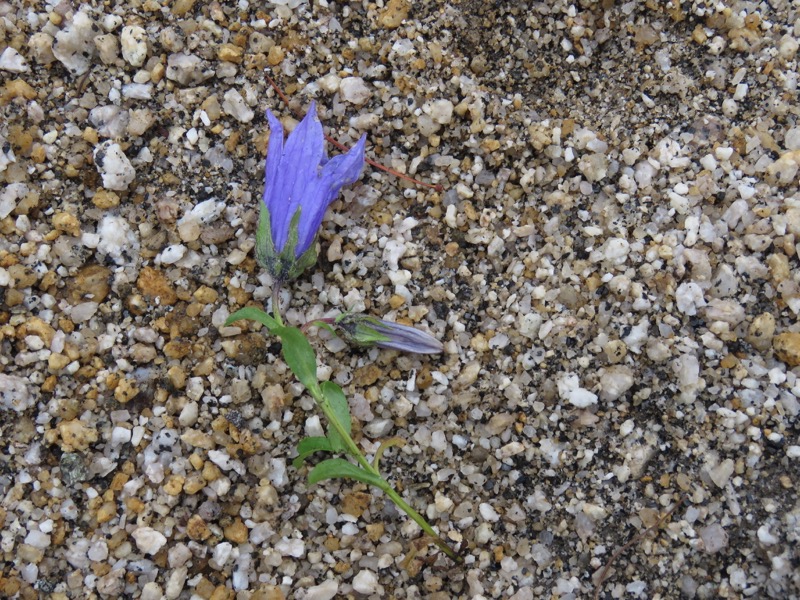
(364, 330)
(300, 184)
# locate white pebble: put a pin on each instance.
(12, 61)
(714, 538)
(74, 45)
(354, 90)
(133, 42)
(148, 540)
(234, 105)
(120, 436)
(766, 537)
(721, 473)
(569, 389)
(324, 591)
(37, 539)
(441, 111)
(172, 254)
(115, 168)
(488, 512)
(365, 582)
(291, 547)
(689, 297)
(116, 239)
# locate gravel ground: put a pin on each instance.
(610, 262)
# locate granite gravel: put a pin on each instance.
(607, 249)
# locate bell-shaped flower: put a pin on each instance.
(300, 183)
(363, 330)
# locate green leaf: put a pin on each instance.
(339, 467)
(299, 355)
(309, 446)
(335, 397)
(253, 314)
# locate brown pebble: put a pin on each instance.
(90, 283)
(355, 503)
(394, 14)
(275, 56)
(154, 284)
(105, 199)
(197, 529)
(75, 435)
(230, 53)
(181, 7)
(787, 348)
(367, 375)
(106, 512)
(125, 391)
(177, 349)
(174, 485)
(236, 532)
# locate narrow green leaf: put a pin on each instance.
(335, 397)
(309, 446)
(253, 314)
(339, 467)
(299, 355)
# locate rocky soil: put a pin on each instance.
(610, 258)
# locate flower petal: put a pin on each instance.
(341, 170)
(297, 167)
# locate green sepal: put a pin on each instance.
(283, 266)
(309, 446)
(356, 330)
(339, 467)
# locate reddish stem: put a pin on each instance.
(436, 187)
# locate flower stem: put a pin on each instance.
(354, 451)
(276, 303)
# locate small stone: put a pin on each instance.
(133, 42)
(12, 61)
(761, 332)
(355, 503)
(74, 45)
(107, 48)
(230, 53)
(67, 223)
(174, 485)
(236, 532)
(106, 512)
(721, 473)
(394, 14)
(275, 56)
(234, 105)
(148, 540)
(354, 90)
(197, 529)
(111, 121)
(787, 348)
(366, 582)
(615, 382)
(105, 199)
(76, 435)
(714, 538)
(114, 167)
(187, 69)
(324, 591)
(125, 391)
(154, 284)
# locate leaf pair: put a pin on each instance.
(302, 360)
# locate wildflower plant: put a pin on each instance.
(300, 183)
